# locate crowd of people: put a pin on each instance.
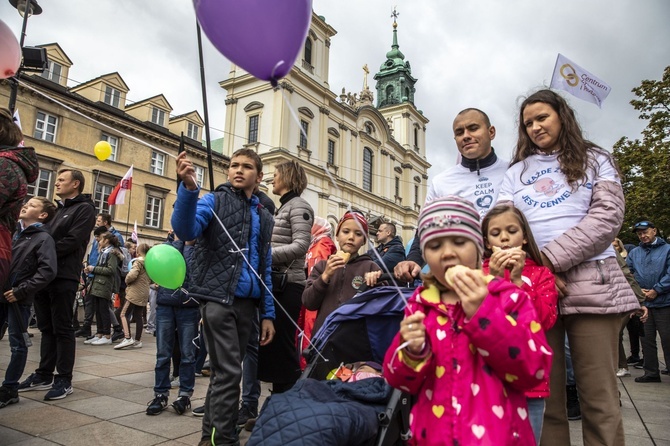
(526, 287)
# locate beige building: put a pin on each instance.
(360, 154)
(64, 124)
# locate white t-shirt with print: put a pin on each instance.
(538, 188)
(481, 190)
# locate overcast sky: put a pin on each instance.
(477, 53)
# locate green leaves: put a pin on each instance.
(645, 164)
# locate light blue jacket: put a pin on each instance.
(650, 264)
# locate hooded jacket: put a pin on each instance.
(650, 265)
(137, 283)
(71, 230)
(345, 283)
(33, 263)
(107, 273)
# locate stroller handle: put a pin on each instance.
(383, 278)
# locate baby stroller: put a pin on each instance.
(361, 329)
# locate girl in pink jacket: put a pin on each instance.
(467, 349)
(511, 253)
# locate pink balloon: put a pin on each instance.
(10, 52)
(262, 36)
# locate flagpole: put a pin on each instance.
(208, 140)
(130, 200)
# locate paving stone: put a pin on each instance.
(104, 433)
(104, 407)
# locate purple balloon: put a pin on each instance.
(262, 36)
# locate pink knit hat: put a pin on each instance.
(353, 216)
(450, 216)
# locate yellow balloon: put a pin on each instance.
(102, 150)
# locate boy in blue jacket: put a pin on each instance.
(33, 268)
(223, 278)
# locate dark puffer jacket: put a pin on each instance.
(322, 413)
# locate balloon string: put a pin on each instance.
(262, 282)
(294, 115)
(116, 131)
(274, 81)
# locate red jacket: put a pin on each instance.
(470, 389)
(540, 285)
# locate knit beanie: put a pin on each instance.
(353, 216)
(450, 216)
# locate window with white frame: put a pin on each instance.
(114, 142)
(112, 96)
(304, 134)
(253, 129)
(43, 185)
(192, 131)
(154, 210)
(53, 73)
(367, 169)
(157, 163)
(331, 152)
(45, 126)
(100, 197)
(308, 51)
(158, 116)
(199, 175)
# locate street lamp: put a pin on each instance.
(26, 8)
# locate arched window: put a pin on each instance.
(367, 169)
(389, 94)
(308, 51)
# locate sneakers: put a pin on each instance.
(198, 411)
(245, 414)
(181, 404)
(34, 382)
(137, 344)
(8, 396)
(102, 341)
(622, 372)
(117, 336)
(174, 382)
(157, 405)
(127, 342)
(91, 340)
(83, 332)
(648, 379)
(60, 390)
(574, 411)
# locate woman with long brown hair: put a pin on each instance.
(570, 191)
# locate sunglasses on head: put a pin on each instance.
(643, 225)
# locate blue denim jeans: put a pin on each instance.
(251, 386)
(17, 362)
(536, 416)
(180, 322)
(569, 370)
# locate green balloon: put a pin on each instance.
(166, 266)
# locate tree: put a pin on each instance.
(645, 164)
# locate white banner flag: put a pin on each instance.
(578, 82)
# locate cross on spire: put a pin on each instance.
(395, 15)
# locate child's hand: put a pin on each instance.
(413, 331)
(497, 263)
(186, 171)
(471, 288)
(371, 278)
(333, 263)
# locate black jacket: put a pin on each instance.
(71, 230)
(391, 254)
(33, 263)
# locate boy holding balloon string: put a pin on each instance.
(233, 232)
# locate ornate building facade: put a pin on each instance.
(64, 124)
(370, 157)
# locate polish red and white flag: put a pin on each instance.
(118, 195)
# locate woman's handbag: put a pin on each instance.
(280, 279)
